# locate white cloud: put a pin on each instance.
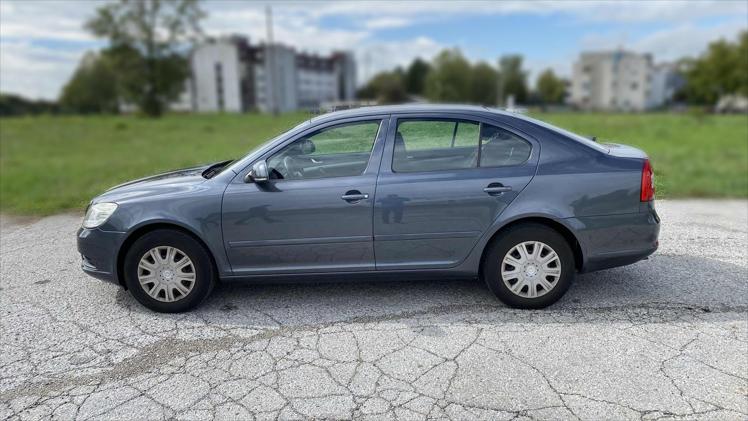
(289, 28)
(658, 11)
(685, 40)
(30, 65)
(375, 57)
(60, 20)
(386, 23)
(618, 11)
(34, 71)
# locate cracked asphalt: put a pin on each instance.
(666, 338)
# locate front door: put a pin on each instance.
(442, 183)
(315, 212)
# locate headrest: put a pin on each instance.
(399, 142)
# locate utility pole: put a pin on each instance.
(270, 77)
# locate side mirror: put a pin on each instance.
(258, 174)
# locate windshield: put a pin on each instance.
(573, 136)
(267, 142)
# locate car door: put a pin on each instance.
(442, 182)
(314, 214)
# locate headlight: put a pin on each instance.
(98, 214)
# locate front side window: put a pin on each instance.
(338, 151)
(438, 145)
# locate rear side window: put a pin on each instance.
(439, 145)
(433, 145)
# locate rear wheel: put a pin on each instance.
(168, 271)
(529, 266)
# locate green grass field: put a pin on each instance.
(53, 164)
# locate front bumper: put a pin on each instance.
(98, 251)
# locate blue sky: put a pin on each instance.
(41, 41)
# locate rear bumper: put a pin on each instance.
(98, 251)
(618, 259)
(618, 240)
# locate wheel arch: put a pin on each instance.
(144, 229)
(551, 223)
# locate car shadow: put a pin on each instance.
(681, 287)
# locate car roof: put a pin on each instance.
(409, 108)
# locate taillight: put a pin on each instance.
(648, 186)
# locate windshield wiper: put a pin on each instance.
(216, 168)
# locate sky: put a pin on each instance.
(42, 41)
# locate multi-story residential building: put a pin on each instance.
(229, 74)
(620, 80)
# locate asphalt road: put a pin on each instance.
(666, 338)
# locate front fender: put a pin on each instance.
(197, 211)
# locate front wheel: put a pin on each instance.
(168, 271)
(529, 266)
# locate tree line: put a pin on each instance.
(721, 70)
(450, 77)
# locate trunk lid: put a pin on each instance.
(625, 151)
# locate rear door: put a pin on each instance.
(315, 213)
(442, 182)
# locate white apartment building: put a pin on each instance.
(621, 80)
(229, 74)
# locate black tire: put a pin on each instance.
(205, 276)
(498, 249)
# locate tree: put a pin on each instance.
(484, 84)
(513, 80)
(146, 39)
(551, 89)
(449, 79)
(385, 88)
(415, 76)
(93, 88)
(721, 70)
(740, 69)
(11, 105)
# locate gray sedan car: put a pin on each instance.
(400, 192)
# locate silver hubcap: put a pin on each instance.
(166, 274)
(531, 269)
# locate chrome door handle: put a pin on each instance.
(496, 190)
(354, 197)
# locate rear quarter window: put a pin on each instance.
(502, 148)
